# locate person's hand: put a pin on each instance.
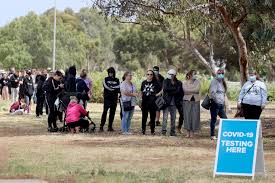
(136, 94)
(61, 85)
(263, 107)
(239, 105)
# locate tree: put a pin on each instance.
(230, 13)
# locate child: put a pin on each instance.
(18, 108)
(75, 116)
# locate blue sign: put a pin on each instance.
(237, 147)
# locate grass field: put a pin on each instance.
(28, 151)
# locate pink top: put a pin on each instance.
(74, 112)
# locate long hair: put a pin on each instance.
(125, 75)
(112, 70)
(154, 76)
(189, 74)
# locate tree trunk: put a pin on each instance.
(242, 51)
(234, 27)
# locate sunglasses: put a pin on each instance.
(149, 74)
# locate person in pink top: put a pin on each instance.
(75, 116)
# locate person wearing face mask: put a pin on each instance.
(172, 87)
(160, 80)
(191, 103)
(253, 97)
(111, 86)
(28, 88)
(217, 93)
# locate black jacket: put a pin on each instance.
(172, 90)
(53, 88)
(14, 80)
(82, 89)
(39, 80)
(28, 86)
(111, 89)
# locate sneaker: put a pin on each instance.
(49, 129)
(101, 129)
(163, 133)
(157, 123)
(38, 116)
(214, 138)
(173, 135)
(153, 133)
(143, 132)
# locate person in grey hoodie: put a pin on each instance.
(253, 97)
(217, 92)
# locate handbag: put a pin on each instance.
(240, 113)
(160, 102)
(206, 103)
(127, 105)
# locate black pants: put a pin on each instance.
(147, 108)
(53, 113)
(251, 111)
(40, 98)
(82, 123)
(181, 117)
(112, 106)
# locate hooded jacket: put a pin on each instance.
(74, 112)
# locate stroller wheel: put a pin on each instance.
(92, 128)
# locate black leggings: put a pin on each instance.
(82, 123)
(39, 104)
(251, 111)
(52, 112)
(152, 110)
(112, 106)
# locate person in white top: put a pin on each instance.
(253, 97)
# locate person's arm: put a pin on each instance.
(105, 85)
(127, 93)
(194, 88)
(242, 92)
(213, 89)
(263, 95)
(82, 110)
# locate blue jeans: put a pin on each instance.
(126, 120)
(216, 110)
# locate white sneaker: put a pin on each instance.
(129, 133)
(214, 138)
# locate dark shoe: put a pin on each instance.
(49, 129)
(101, 129)
(143, 132)
(163, 133)
(111, 130)
(153, 133)
(158, 123)
(173, 135)
(54, 130)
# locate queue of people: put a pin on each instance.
(178, 97)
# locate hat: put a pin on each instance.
(172, 72)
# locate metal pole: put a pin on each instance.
(54, 36)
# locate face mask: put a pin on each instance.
(169, 76)
(156, 72)
(220, 76)
(194, 77)
(252, 78)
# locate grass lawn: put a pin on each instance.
(28, 151)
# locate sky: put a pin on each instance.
(10, 9)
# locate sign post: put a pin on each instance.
(240, 148)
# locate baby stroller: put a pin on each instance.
(62, 104)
